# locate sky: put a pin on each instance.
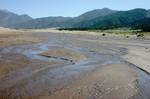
(68, 8)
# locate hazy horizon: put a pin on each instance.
(67, 8)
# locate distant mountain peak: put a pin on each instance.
(26, 16)
(5, 10)
(8, 18)
(96, 13)
(138, 9)
(105, 9)
(100, 10)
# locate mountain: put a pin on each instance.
(8, 19)
(94, 14)
(63, 22)
(148, 13)
(96, 19)
(117, 19)
(47, 22)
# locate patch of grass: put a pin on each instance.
(146, 34)
(121, 31)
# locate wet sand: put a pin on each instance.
(64, 54)
(56, 65)
(116, 81)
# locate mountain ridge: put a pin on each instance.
(65, 21)
(8, 18)
(98, 18)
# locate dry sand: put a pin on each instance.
(15, 37)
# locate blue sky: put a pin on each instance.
(44, 8)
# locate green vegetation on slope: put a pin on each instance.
(143, 24)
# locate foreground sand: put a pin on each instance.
(140, 56)
(51, 64)
(114, 81)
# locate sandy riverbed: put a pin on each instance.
(50, 64)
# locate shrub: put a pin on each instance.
(103, 34)
(127, 36)
(140, 35)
